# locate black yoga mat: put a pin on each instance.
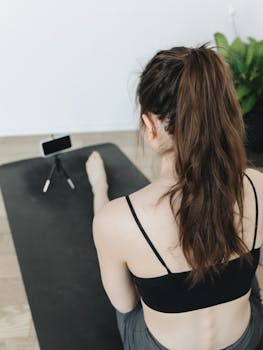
(52, 234)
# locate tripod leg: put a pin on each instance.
(71, 184)
(47, 183)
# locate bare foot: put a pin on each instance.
(96, 171)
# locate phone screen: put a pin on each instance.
(56, 145)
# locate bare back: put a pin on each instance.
(202, 329)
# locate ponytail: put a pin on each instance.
(193, 90)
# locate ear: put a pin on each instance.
(150, 126)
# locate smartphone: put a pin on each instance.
(55, 146)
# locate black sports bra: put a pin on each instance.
(169, 293)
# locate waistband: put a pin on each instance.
(254, 331)
(250, 337)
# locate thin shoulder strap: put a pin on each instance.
(256, 199)
(145, 234)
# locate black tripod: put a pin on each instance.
(57, 165)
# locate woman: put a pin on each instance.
(169, 253)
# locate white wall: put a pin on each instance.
(72, 65)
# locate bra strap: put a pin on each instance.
(256, 199)
(145, 234)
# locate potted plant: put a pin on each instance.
(245, 60)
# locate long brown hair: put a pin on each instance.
(191, 90)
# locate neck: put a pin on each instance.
(167, 173)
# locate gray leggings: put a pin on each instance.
(136, 336)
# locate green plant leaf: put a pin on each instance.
(242, 91)
(248, 103)
(238, 64)
(221, 43)
(239, 47)
(251, 53)
(237, 53)
(251, 40)
(254, 73)
(259, 54)
(245, 61)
